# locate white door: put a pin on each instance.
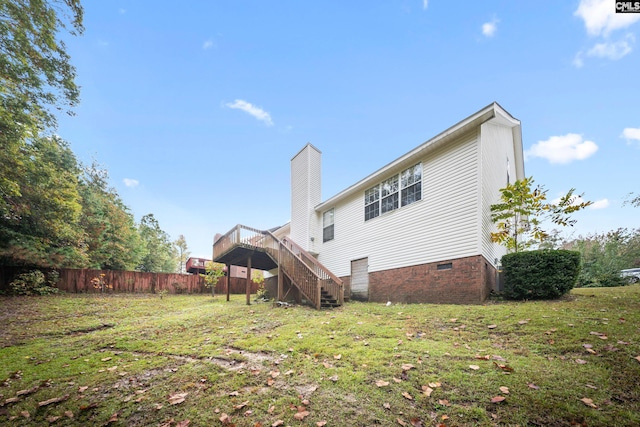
(360, 279)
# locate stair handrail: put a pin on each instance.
(307, 272)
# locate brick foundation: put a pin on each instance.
(467, 281)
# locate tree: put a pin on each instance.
(160, 254)
(111, 236)
(41, 223)
(183, 253)
(633, 200)
(523, 209)
(35, 75)
(213, 272)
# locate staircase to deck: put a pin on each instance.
(247, 246)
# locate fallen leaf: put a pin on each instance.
(637, 358)
(497, 399)
(277, 423)
(83, 389)
(241, 405)
(492, 326)
(334, 378)
(581, 362)
(407, 395)
(174, 399)
(505, 390)
(386, 405)
(397, 380)
(52, 419)
(402, 423)
(337, 356)
(106, 359)
(184, 423)
(533, 386)
(234, 393)
(54, 400)
(434, 385)
(113, 419)
(480, 357)
(523, 322)
(25, 414)
(68, 414)
(301, 415)
(444, 402)
(382, 383)
(474, 367)
(407, 366)
(505, 368)
(416, 422)
(321, 423)
(224, 418)
(427, 390)
(588, 402)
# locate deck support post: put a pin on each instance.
(228, 280)
(280, 273)
(248, 282)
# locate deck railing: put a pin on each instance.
(309, 275)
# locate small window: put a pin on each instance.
(389, 194)
(447, 266)
(327, 225)
(371, 203)
(411, 180)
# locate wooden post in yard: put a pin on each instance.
(280, 278)
(228, 280)
(248, 282)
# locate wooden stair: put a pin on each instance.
(314, 281)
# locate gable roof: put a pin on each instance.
(491, 112)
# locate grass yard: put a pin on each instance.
(131, 360)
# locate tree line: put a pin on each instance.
(54, 211)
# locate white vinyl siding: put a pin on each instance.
(305, 195)
(442, 225)
(497, 153)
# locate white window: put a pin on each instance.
(394, 192)
(327, 225)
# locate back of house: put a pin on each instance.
(418, 229)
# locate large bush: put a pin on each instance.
(34, 283)
(542, 274)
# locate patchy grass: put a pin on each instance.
(131, 360)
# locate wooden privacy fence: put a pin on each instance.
(90, 281)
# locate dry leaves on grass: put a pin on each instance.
(505, 390)
(177, 398)
(497, 399)
(382, 383)
(588, 402)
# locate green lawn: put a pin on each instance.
(129, 360)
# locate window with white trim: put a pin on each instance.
(394, 192)
(327, 225)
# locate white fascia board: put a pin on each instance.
(491, 111)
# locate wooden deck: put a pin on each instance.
(252, 248)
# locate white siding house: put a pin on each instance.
(417, 229)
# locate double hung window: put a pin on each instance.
(397, 191)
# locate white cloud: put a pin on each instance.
(251, 109)
(578, 62)
(490, 28)
(600, 18)
(131, 183)
(425, 4)
(208, 44)
(631, 134)
(600, 204)
(612, 50)
(563, 149)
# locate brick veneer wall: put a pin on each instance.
(468, 281)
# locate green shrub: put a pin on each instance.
(601, 280)
(34, 283)
(542, 274)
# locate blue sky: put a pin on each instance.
(196, 111)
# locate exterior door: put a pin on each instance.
(360, 279)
